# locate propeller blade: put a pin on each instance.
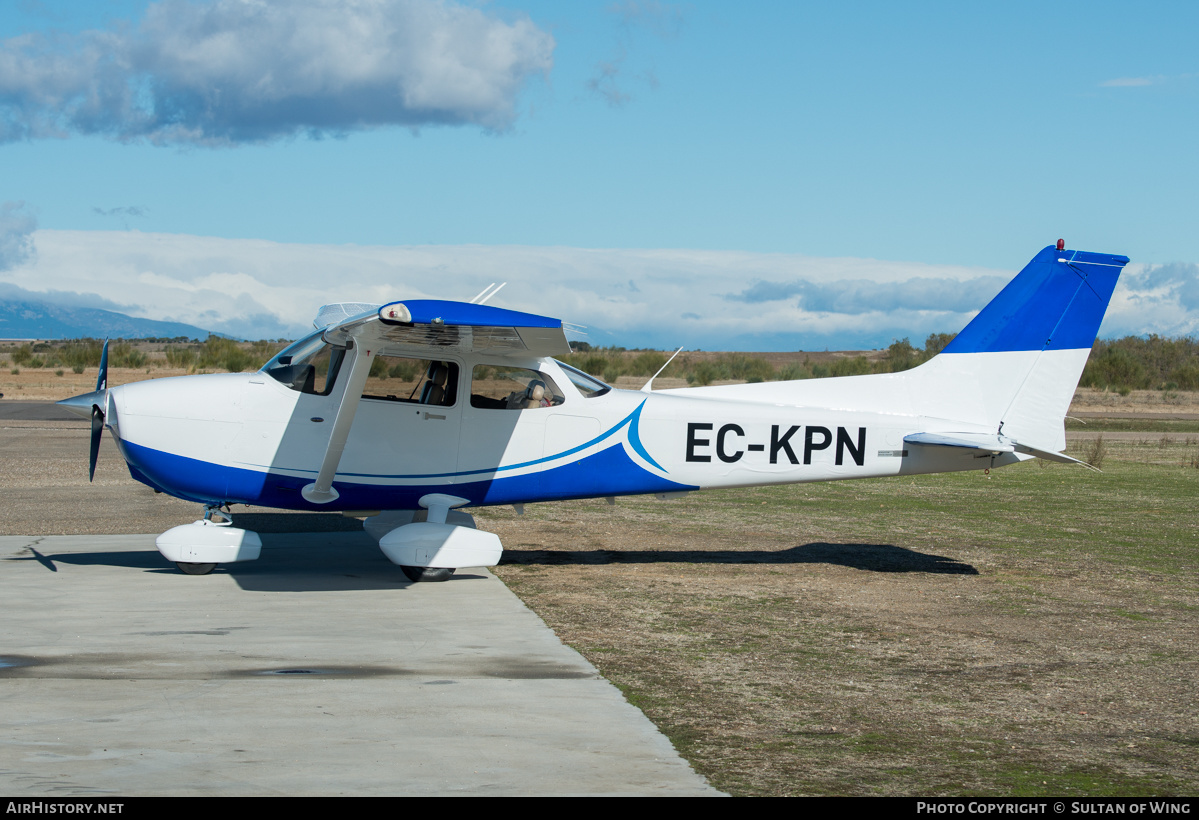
(102, 379)
(97, 432)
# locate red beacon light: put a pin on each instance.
(1061, 244)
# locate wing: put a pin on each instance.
(426, 327)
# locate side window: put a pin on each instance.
(419, 381)
(308, 366)
(512, 388)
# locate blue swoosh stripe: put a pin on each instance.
(634, 439)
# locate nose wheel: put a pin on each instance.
(195, 569)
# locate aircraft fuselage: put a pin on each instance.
(249, 439)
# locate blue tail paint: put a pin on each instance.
(1056, 303)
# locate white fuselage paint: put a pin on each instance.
(708, 437)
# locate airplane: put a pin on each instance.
(492, 418)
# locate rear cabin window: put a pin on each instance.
(588, 386)
(419, 381)
(512, 388)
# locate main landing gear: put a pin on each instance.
(430, 543)
(416, 574)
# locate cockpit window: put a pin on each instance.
(512, 388)
(589, 386)
(308, 366)
(420, 381)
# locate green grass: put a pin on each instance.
(1136, 425)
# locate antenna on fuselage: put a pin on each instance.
(487, 293)
(649, 384)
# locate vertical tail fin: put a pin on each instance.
(1035, 337)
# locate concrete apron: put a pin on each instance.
(316, 670)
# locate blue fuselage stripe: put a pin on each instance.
(608, 472)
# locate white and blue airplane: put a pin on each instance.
(494, 419)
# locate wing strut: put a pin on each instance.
(321, 491)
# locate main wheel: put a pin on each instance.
(195, 569)
(416, 574)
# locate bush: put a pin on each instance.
(1094, 451)
(82, 353)
(1143, 363)
(407, 370)
(795, 371)
(936, 342)
(182, 357)
(237, 360)
(219, 353)
(123, 354)
(902, 356)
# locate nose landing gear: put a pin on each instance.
(198, 547)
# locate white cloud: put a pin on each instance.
(1161, 299)
(16, 234)
(229, 71)
(254, 288)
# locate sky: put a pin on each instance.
(715, 175)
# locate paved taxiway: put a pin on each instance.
(316, 670)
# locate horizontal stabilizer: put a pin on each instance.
(986, 442)
(1049, 455)
(990, 443)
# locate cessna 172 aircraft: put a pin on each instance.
(492, 418)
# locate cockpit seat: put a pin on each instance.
(434, 390)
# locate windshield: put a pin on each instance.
(309, 365)
(295, 351)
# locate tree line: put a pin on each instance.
(1131, 363)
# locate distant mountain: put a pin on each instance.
(24, 319)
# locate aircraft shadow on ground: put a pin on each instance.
(327, 551)
(301, 552)
(343, 562)
(866, 557)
